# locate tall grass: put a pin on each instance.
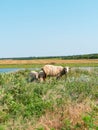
(70, 103)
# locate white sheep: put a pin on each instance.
(41, 76)
(37, 76)
(58, 71)
(33, 76)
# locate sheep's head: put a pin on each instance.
(66, 69)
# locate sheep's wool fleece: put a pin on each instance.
(52, 70)
(35, 73)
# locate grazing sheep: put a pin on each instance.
(41, 76)
(58, 71)
(33, 76)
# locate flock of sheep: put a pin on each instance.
(48, 70)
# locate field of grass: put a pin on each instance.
(70, 103)
(40, 62)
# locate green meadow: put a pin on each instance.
(70, 103)
(40, 65)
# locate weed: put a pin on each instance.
(65, 104)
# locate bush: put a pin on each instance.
(24, 100)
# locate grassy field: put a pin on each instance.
(39, 63)
(70, 103)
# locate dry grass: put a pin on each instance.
(47, 61)
(57, 119)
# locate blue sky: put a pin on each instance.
(48, 27)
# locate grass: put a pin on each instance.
(67, 104)
(41, 62)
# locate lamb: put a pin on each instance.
(33, 76)
(37, 76)
(41, 76)
(58, 71)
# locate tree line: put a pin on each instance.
(84, 56)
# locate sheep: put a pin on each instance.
(37, 76)
(33, 76)
(41, 76)
(58, 71)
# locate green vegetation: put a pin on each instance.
(20, 65)
(67, 104)
(40, 65)
(84, 56)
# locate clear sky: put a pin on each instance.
(48, 27)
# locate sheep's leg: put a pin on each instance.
(58, 76)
